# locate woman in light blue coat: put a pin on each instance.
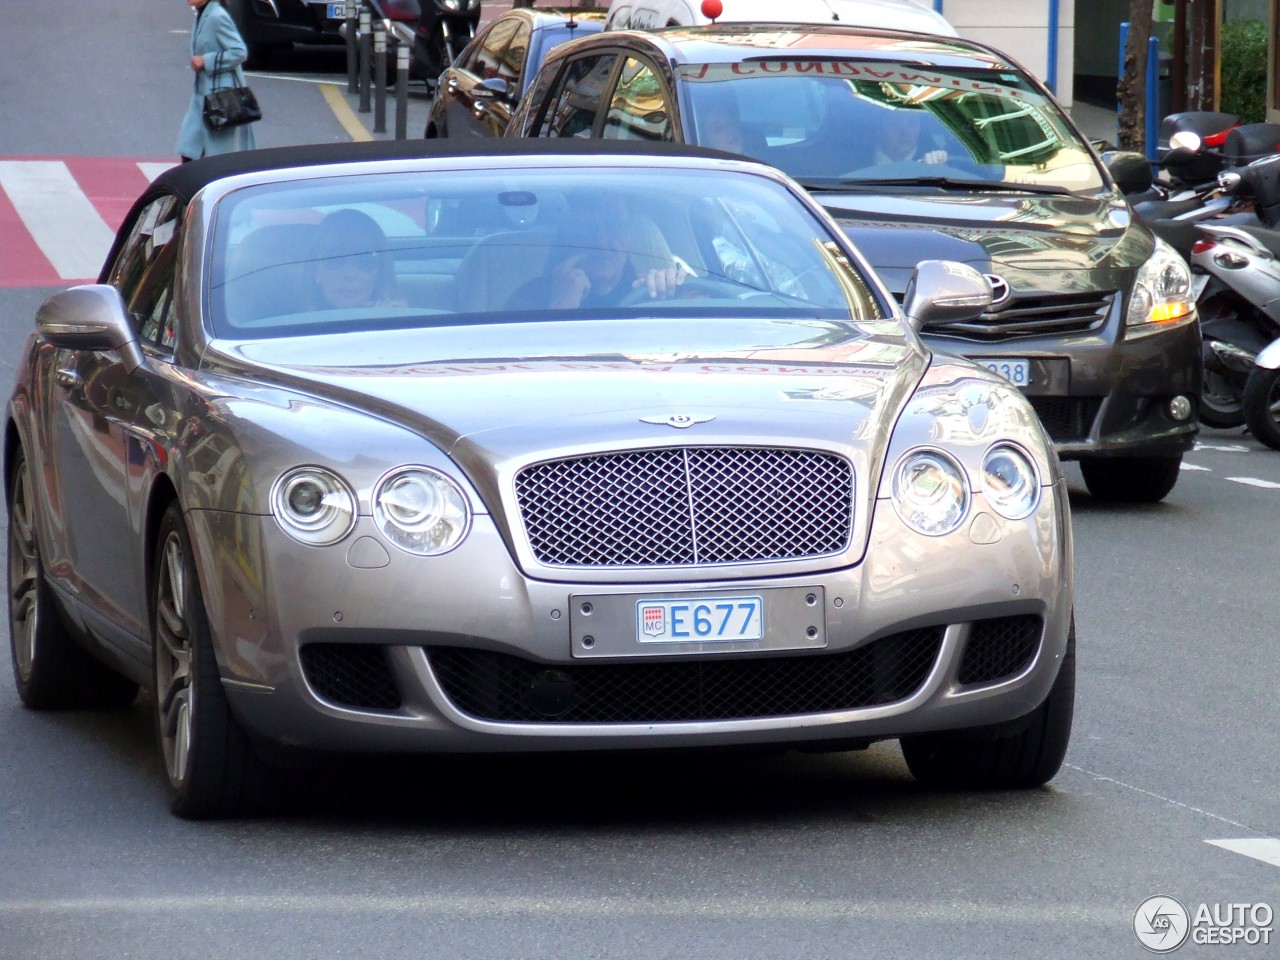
(217, 50)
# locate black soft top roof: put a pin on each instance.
(187, 179)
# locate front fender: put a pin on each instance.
(1269, 357)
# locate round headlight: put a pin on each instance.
(1010, 482)
(313, 505)
(421, 511)
(930, 493)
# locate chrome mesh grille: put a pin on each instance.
(687, 505)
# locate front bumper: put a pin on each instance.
(290, 21)
(1101, 393)
(907, 643)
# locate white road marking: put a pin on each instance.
(153, 170)
(1192, 466)
(59, 217)
(1265, 849)
(1103, 778)
(1225, 448)
(1253, 482)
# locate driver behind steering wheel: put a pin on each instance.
(612, 255)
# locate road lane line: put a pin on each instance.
(1156, 796)
(1225, 448)
(336, 97)
(1192, 466)
(1253, 482)
(1265, 849)
(63, 222)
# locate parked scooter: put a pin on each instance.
(1236, 275)
(445, 27)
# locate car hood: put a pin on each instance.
(1035, 242)
(496, 396)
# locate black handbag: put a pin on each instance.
(229, 106)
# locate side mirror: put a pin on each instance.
(90, 317)
(944, 291)
(491, 88)
(1130, 170)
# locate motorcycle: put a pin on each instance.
(1236, 279)
(445, 27)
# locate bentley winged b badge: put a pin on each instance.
(680, 420)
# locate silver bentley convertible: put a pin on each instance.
(465, 447)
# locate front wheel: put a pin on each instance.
(51, 670)
(1131, 479)
(979, 760)
(1221, 405)
(212, 768)
(1262, 405)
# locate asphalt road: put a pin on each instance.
(662, 856)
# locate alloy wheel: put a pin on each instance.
(24, 576)
(175, 693)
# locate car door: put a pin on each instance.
(466, 114)
(639, 105)
(573, 104)
(93, 441)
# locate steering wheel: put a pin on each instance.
(693, 288)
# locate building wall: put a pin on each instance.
(1019, 28)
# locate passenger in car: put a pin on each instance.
(354, 266)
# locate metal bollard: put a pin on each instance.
(366, 55)
(353, 56)
(402, 89)
(379, 77)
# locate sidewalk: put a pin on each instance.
(1097, 123)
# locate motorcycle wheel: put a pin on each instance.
(1221, 406)
(1262, 405)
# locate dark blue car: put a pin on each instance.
(477, 94)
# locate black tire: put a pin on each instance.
(974, 760)
(212, 768)
(52, 671)
(1131, 479)
(1221, 406)
(1262, 406)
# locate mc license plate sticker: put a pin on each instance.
(723, 619)
(1017, 372)
(1198, 282)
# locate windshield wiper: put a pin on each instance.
(945, 183)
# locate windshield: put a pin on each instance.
(521, 245)
(847, 123)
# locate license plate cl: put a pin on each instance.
(338, 11)
(700, 620)
(1017, 372)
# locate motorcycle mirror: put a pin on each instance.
(1186, 140)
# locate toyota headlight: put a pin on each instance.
(1161, 291)
(1010, 482)
(313, 505)
(930, 492)
(421, 511)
